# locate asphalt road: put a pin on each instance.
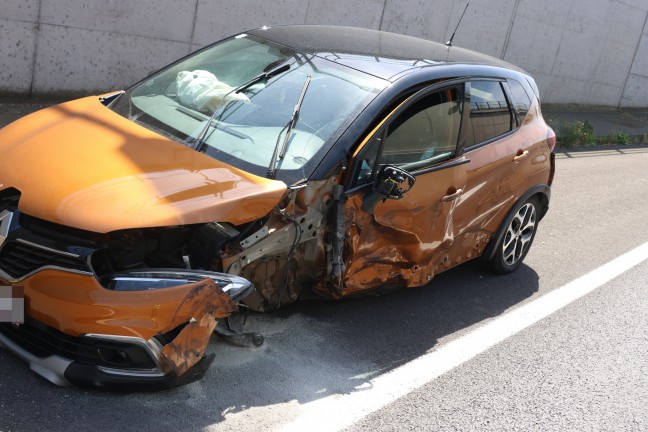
(583, 368)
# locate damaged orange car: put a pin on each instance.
(275, 165)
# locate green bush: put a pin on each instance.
(581, 134)
(620, 138)
(576, 134)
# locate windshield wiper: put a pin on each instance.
(272, 169)
(261, 77)
(107, 100)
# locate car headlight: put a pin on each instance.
(153, 279)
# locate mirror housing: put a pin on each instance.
(393, 182)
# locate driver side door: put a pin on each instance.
(407, 240)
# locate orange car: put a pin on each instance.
(278, 164)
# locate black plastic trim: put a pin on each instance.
(543, 189)
(445, 165)
(88, 376)
(107, 100)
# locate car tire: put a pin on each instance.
(517, 238)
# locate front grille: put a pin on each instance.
(18, 259)
(43, 341)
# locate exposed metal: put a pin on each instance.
(255, 238)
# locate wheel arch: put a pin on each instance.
(542, 192)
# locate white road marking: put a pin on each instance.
(340, 411)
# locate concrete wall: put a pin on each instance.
(592, 52)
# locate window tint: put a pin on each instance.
(490, 115)
(521, 100)
(426, 132)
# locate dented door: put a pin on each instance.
(406, 241)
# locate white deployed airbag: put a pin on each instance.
(202, 91)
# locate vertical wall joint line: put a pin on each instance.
(510, 29)
(193, 27)
(634, 59)
(36, 38)
(382, 15)
(307, 11)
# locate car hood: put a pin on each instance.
(80, 164)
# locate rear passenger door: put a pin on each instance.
(495, 152)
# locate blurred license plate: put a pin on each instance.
(12, 304)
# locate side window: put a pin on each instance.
(490, 115)
(521, 100)
(424, 134)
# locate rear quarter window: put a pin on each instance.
(534, 86)
(521, 100)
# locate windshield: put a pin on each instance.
(250, 120)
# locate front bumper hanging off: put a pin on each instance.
(173, 357)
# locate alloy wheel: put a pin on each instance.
(519, 234)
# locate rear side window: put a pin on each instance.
(490, 115)
(521, 100)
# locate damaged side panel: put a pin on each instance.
(275, 258)
(325, 243)
(404, 242)
(447, 218)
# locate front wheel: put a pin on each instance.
(517, 239)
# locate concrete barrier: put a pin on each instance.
(590, 52)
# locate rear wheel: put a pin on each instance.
(517, 239)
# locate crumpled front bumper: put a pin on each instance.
(64, 372)
(153, 340)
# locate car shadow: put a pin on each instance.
(313, 349)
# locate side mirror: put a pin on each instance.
(393, 182)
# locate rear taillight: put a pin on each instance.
(551, 139)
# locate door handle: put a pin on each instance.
(520, 155)
(452, 196)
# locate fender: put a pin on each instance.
(544, 192)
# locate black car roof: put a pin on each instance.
(379, 53)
